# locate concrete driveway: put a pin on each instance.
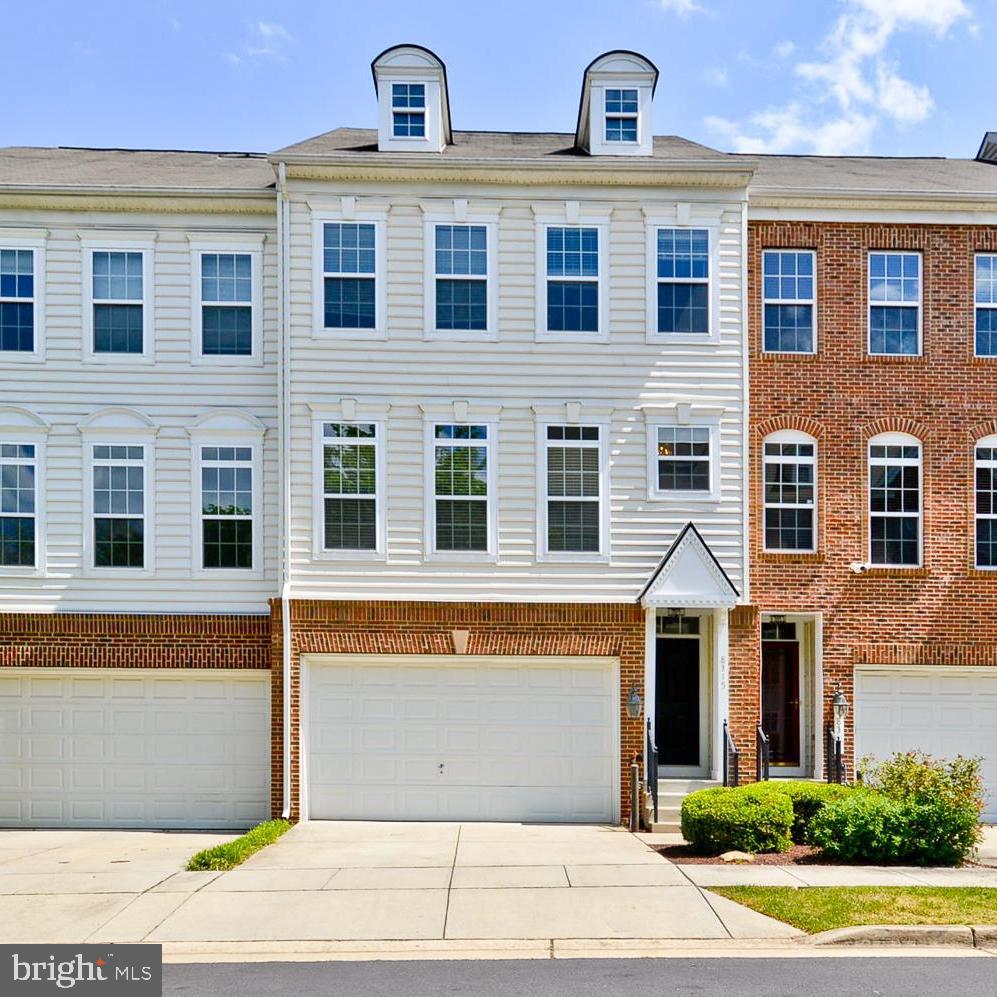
(472, 884)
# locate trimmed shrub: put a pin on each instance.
(808, 799)
(747, 819)
(914, 810)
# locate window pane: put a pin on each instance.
(986, 279)
(572, 306)
(683, 308)
(573, 472)
(408, 94)
(893, 330)
(788, 276)
(789, 328)
(17, 273)
(683, 254)
(621, 129)
(350, 524)
(894, 540)
(986, 543)
(573, 526)
(461, 304)
(117, 276)
(349, 469)
(789, 529)
(118, 543)
(227, 331)
(986, 332)
(348, 248)
(17, 488)
(17, 541)
(228, 543)
(621, 101)
(894, 277)
(349, 303)
(461, 250)
(117, 328)
(226, 277)
(572, 252)
(461, 525)
(17, 326)
(409, 125)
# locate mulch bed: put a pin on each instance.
(797, 855)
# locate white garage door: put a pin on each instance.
(462, 738)
(945, 712)
(133, 748)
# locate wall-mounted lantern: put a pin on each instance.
(840, 707)
(634, 704)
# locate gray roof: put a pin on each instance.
(134, 169)
(873, 174)
(494, 145)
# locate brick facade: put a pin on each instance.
(941, 613)
(340, 627)
(108, 640)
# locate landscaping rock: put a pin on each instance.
(737, 857)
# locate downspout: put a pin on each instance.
(284, 364)
(745, 409)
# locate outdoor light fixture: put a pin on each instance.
(634, 703)
(777, 617)
(840, 704)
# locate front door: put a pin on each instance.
(781, 703)
(677, 713)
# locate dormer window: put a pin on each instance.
(614, 113)
(412, 101)
(621, 115)
(408, 110)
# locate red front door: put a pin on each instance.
(781, 700)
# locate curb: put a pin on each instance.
(971, 936)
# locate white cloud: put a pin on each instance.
(716, 76)
(681, 7)
(267, 40)
(853, 86)
(784, 49)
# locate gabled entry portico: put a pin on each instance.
(687, 601)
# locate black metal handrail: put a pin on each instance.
(835, 757)
(762, 748)
(651, 767)
(732, 760)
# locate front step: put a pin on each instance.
(671, 793)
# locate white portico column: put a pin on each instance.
(721, 683)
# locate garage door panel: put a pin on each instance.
(945, 712)
(100, 748)
(513, 736)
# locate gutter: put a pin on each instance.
(284, 422)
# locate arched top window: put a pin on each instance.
(985, 501)
(895, 483)
(790, 481)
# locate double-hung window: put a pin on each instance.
(790, 493)
(460, 487)
(119, 506)
(349, 486)
(227, 507)
(408, 110)
(572, 279)
(118, 301)
(18, 527)
(573, 478)
(788, 300)
(683, 276)
(895, 501)
(621, 114)
(461, 267)
(17, 300)
(986, 304)
(349, 267)
(986, 503)
(895, 304)
(683, 459)
(226, 304)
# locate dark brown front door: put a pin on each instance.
(781, 700)
(676, 721)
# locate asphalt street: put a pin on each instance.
(885, 976)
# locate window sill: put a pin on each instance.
(682, 338)
(119, 359)
(888, 358)
(18, 357)
(460, 557)
(200, 360)
(573, 558)
(773, 356)
(975, 572)
(348, 335)
(460, 335)
(894, 571)
(228, 574)
(684, 498)
(791, 557)
(366, 556)
(571, 337)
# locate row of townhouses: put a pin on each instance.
(415, 473)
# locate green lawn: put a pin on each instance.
(819, 908)
(232, 853)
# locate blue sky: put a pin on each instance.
(894, 77)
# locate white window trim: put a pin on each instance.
(985, 441)
(790, 436)
(431, 421)
(870, 304)
(608, 116)
(895, 439)
(117, 438)
(684, 416)
(652, 223)
(35, 241)
(602, 555)
(244, 245)
(119, 244)
(221, 438)
(22, 437)
(812, 302)
(597, 114)
(978, 307)
(490, 332)
(379, 220)
(392, 110)
(601, 225)
(319, 551)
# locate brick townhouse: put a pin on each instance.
(417, 473)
